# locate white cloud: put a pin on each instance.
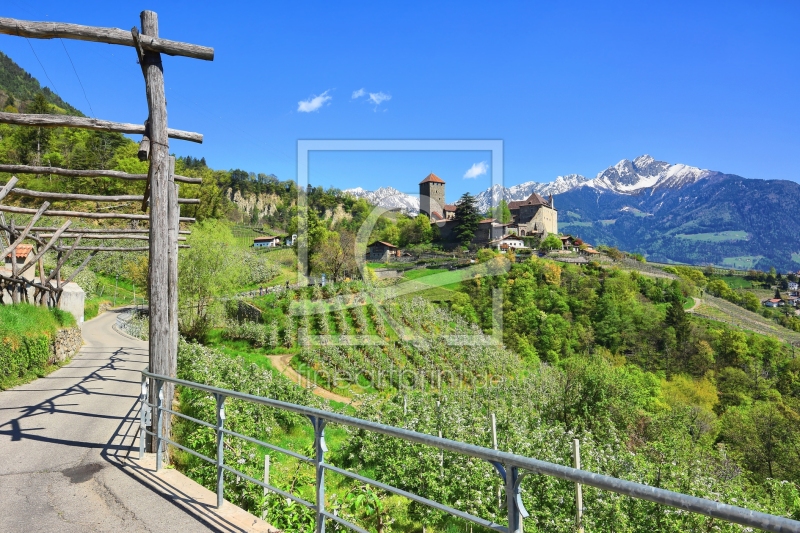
(477, 169)
(379, 98)
(313, 103)
(359, 93)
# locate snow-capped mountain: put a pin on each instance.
(626, 177)
(644, 172)
(389, 198)
(520, 192)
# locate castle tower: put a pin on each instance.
(431, 197)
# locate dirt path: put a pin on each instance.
(281, 362)
(695, 305)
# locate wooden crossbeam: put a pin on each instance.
(46, 247)
(79, 214)
(8, 187)
(93, 230)
(68, 121)
(120, 249)
(24, 233)
(63, 260)
(91, 197)
(52, 30)
(81, 267)
(109, 236)
(25, 169)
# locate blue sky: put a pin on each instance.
(570, 87)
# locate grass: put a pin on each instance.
(608, 222)
(20, 320)
(742, 261)
(578, 224)
(796, 258)
(718, 236)
(25, 321)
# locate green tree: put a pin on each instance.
(32, 142)
(335, 255)
(467, 218)
(502, 213)
(551, 242)
(209, 269)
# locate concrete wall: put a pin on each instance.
(72, 301)
(67, 343)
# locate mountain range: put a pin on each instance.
(667, 212)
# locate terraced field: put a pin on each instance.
(719, 236)
(731, 314)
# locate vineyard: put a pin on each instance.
(342, 339)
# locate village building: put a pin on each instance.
(508, 242)
(382, 252)
(773, 302)
(266, 242)
(534, 216)
(793, 286)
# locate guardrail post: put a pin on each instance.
(319, 462)
(516, 509)
(159, 414)
(220, 449)
(144, 417)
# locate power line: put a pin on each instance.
(79, 78)
(40, 64)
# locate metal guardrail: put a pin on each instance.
(511, 468)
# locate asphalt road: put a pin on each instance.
(64, 443)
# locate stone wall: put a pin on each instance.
(67, 343)
(247, 313)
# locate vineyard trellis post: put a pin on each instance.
(161, 193)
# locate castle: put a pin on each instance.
(533, 216)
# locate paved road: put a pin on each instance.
(64, 442)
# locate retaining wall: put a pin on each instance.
(67, 343)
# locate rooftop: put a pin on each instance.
(22, 251)
(432, 178)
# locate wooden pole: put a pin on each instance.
(68, 172)
(7, 187)
(53, 30)
(68, 121)
(80, 214)
(160, 351)
(14, 291)
(21, 237)
(576, 455)
(91, 197)
(173, 215)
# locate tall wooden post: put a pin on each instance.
(172, 268)
(158, 177)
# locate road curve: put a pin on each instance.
(65, 441)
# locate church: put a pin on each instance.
(533, 216)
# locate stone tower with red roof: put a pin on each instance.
(431, 197)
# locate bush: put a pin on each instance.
(27, 332)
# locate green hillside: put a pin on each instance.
(21, 87)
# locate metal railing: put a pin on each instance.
(511, 468)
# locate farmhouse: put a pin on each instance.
(381, 252)
(266, 242)
(773, 302)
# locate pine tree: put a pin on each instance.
(467, 218)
